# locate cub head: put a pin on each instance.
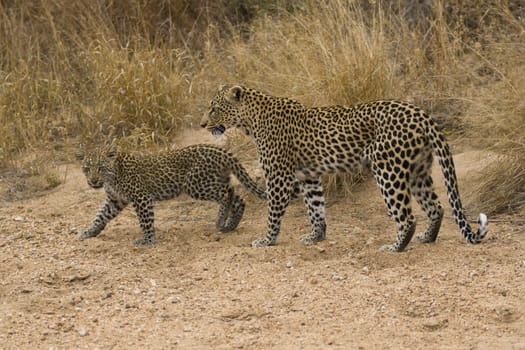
(226, 111)
(98, 165)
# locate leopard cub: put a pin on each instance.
(201, 171)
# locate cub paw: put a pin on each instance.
(390, 248)
(87, 234)
(424, 238)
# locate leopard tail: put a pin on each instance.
(442, 151)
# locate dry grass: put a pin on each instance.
(92, 71)
(495, 121)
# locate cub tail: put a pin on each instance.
(242, 175)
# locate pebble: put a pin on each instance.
(82, 332)
(434, 324)
(173, 299)
(289, 264)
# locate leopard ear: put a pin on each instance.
(235, 93)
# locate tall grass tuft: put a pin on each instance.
(496, 122)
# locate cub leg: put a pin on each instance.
(109, 210)
(236, 212)
(144, 209)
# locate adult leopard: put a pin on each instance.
(299, 143)
(201, 171)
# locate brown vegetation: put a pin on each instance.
(86, 71)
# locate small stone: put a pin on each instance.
(186, 329)
(289, 264)
(434, 324)
(365, 270)
(173, 300)
(338, 277)
(19, 218)
(82, 332)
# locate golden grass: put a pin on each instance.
(92, 71)
(496, 122)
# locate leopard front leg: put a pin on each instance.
(314, 201)
(144, 209)
(280, 187)
(109, 210)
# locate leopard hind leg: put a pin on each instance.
(315, 204)
(396, 195)
(422, 188)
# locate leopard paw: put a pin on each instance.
(311, 239)
(262, 242)
(143, 242)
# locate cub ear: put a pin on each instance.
(79, 155)
(235, 94)
(81, 152)
(112, 151)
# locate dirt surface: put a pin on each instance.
(197, 289)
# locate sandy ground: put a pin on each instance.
(197, 289)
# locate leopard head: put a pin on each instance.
(226, 111)
(98, 165)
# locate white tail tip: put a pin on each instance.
(483, 222)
